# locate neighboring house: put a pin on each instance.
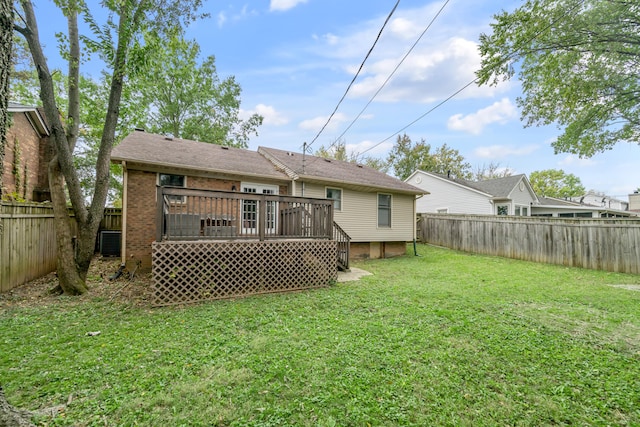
(511, 195)
(593, 198)
(553, 207)
(376, 210)
(26, 155)
(634, 202)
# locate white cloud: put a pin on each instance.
(232, 15)
(573, 160)
(284, 4)
(430, 73)
(269, 114)
(499, 112)
(316, 123)
(375, 150)
(502, 151)
(222, 18)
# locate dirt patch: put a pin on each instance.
(628, 287)
(101, 288)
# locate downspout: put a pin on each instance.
(415, 226)
(123, 243)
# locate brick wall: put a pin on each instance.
(141, 209)
(28, 141)
(375, 250)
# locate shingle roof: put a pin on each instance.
(497, 187)
(329, 170)
(151, 149)
(552, 201)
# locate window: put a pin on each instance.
(522, 210)
(335, 194)
(503, 209)
(384, 210)
(172, 181)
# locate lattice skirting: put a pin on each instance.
(186, 272)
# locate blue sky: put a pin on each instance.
(295, 58)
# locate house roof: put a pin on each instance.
(34, 115)
(318, 169)
(497, 187)
(151, 149)
(552, 201)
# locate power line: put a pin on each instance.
(395, 69)
(422, 116)
(508, 57)
(357, 73)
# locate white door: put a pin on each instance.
(250, 209)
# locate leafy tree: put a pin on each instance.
(556, 183)
(447, 160)
(491, 171)
(94, 96)
(338, 151)
(118, 42)
(6, 41)
(578, 63)
(187, 99)
(406, 157)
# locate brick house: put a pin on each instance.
(375, 209)
(27, 154)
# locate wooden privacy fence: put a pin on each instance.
(599, 244)
(28, 241)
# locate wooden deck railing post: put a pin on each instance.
(159, 214)
(262, 215)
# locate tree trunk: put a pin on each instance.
(13, 417)
(71, 281)
(6, 43)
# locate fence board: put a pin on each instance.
(599, 244)
(28, 241)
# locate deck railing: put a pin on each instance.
(343, 240)
(186, 214)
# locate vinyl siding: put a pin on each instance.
(359, 214)
(450, 196)
(521, 197)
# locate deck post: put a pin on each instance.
(159, 213)
(262, 215)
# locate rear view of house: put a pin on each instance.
(255, 216)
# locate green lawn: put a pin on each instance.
(442, 339)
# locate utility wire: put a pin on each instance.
(357, 73)
(395, 69)
(511, 55)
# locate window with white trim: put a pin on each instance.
(384, 210)
(335, 194)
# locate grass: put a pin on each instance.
(441, 339)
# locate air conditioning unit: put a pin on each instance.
(110, 243)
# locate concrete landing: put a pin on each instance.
(353, 275)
